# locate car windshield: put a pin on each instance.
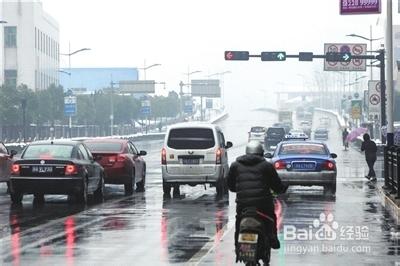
(302, 148)
(191, 138)
(258, 129)
(113, 147)
(48, 151)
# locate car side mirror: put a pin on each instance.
(333, 155)
(268, 155)
(13, 153)
(228, 145)
(142, 153)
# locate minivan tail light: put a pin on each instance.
(163, 156)
(328, 165)
(279, 165)
(15, 168)
(218, 155)
(71, 169)
(121, 158)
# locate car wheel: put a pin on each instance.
(38, 198)
(166, 188)
(82, 195)
(141, 184)
(99, 193)
(129, 185)
(16, 197)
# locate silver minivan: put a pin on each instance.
(194, 153)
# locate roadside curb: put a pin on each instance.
(390, 205)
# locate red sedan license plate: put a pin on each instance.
(42, 169)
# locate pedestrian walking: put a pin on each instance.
(345, 133)
(370, 149)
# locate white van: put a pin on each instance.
(195, 153)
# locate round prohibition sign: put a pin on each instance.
(374, 99)
(378, 87)
(332, 49)
(357, 49)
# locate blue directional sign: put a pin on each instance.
(145, 109)
(70, 106)
(188, 107)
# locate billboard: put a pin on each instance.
(354, 7)
(137, 86)
(356, 109)
(206, 88)
(354, 49)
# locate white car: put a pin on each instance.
(257, 133)
(194, 153)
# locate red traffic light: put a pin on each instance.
(237, 55)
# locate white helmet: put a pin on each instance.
(255, 148)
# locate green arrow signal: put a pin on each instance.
(280, 56)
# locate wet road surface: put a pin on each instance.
(197, 228)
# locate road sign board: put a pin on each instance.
(374, 102)
(70, 106)
(354, 7)
(356, 95)
(137, 86)
(206, 88)
(356, 109)
(339, 57)
(145, 108)
(188, 107)
(273, 56)
(237, 55)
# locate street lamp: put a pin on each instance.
(370, 39)
(69, 54)
(223, 83)
(144, 68)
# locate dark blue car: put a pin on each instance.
(305, 163)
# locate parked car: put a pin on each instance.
(56, 167)
(305, 163)
(195, 153)
(257, 133)
(273, 137)
(6, 157)
(122, 162)
(321, 134)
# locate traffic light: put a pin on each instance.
(237, 55)
(338, 57)
(273, 56)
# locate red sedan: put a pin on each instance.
(122, 162)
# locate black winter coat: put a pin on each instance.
(252, 178)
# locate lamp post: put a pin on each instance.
(370, 39)
(188, 74)
(144, 68)
(69, 54)
(223, 84)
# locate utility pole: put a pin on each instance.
(112, 109)
(389, 49)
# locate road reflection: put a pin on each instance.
(189, 224)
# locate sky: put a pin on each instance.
(193, 35)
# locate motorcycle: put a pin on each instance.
(255, 233)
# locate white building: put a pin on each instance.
(29, 52)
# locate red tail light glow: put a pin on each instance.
(71, 169)
(121, 158)
(279, 165)
(15, 168)
(163, 156)
(328, 165)
(218, 155)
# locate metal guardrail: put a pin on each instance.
(391, 170)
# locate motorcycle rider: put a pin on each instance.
(252, 178)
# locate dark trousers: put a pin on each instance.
(371, 161)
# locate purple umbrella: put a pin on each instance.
(355, 133)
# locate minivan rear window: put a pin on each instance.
(105, 147)
(257, 129)
(275, 132)
(191, 138)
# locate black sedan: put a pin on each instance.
(56, 167)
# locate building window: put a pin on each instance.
(10, 36)
(10, 77)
